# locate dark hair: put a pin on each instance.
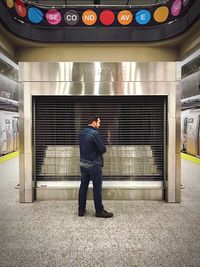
(93, 118)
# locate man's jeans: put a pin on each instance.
(93, 173)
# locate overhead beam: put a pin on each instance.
(97, 2)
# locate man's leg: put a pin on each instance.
(82, 197)
(96, 176)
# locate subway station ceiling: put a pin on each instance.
(96, 2)
(62, 21)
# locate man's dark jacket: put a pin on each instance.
(91, 146)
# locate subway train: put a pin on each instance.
(190, 105)
(190, 131)
(9, 132)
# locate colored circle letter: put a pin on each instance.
(10, 3)
(125, 17)
(35, 15)
(53, 16)
(20, 8)
(143, 16)
(107, 17)
(89, 17)
(161, 14)
(176, 7)
(71, 17)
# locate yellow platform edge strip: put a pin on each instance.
(9, 156)
(190, 158)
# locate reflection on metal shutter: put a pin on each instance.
(132, 129)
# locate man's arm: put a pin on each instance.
(98, 141)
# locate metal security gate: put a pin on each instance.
(133, 129)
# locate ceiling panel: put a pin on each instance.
(96, 2)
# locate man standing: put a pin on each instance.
(91, 163)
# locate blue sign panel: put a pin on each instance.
(35, 15)
(143, 16)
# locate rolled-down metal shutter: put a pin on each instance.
(133, 129)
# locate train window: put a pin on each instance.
(185, 125)
(191, 120)
(17, 126)
(190, 67)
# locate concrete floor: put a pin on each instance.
(141, 233)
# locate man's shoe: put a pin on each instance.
(104, 214)
(81, 213)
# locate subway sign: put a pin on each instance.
(131, 16)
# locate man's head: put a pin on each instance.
(94, 122)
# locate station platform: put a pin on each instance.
(141, 233)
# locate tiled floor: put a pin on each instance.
(142, 233)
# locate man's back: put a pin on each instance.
(91, 145)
